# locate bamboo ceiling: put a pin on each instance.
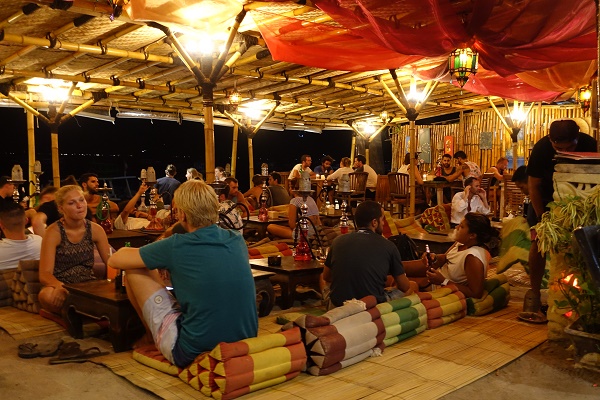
(130, 65)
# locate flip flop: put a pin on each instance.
(29, 350)
(77, 355)
(49, 349)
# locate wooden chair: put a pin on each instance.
(399, 186)
(382, 191)
(358, 188)
(513, 199)
(490, 191)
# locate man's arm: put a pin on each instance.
(457, 174)
(130, 207)
(496, 173)
(126, 258)
(535, 195)
(38, 223)
(403, 284)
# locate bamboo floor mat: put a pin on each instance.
(428, 366)
(21, 324)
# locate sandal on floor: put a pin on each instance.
(50, 349)
(74, 353)
(28, 350)
(531, 310)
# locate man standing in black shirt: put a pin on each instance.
(564, 136)
(6, 190)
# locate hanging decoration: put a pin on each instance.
(462, 63)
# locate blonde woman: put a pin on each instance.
(67, 254)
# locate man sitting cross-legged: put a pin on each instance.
(210, 274)
(359, 263)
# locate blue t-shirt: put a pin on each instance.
(213, 282)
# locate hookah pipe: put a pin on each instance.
(303, 235)
(228, 222)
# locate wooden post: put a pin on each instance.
(236, 131)
(31, 151)
(250, 159)
(413, 148)
(353, 148)
(55, 165)
(209, 132)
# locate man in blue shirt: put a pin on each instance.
(210, 274)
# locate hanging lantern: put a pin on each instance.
(584, 97)
(461, 64)
(235, 98)
(383, 116)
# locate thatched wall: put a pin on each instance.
(536, 127)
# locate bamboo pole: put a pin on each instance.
(55, 160)
(250, 158)
(353, 146)
(234, 145)
(209, 135)
(31, 150)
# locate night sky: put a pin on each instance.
(88, 145)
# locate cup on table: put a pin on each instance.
(274, 261)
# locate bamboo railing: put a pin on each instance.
(536, 127)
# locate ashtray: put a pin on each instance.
(274, 261)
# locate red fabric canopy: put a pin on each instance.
(527, 48)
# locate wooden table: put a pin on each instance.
(119, 237)
(261, 226)
(99, 300)
(290, 274)
(264, 292)
(438, 243)
(439, 188)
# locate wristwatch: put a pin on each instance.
(445, 282)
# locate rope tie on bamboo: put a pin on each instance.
(164, 101)
(260, 73)
(285, 75)
(53, 39)
(86, 76)
(141, 83)
(116, 80)
(309, 79)
(146, 53)
(47, 74)
(330, 83)
(2, 69)
(103, 47)
(171, 87)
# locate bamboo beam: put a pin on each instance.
(250, 158)
(83, 48)
(55, 159)
(234, 145)
(31, 151)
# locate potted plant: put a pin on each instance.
(581, 294)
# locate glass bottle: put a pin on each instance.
(344, 219)
(106, 223)
(263, 212)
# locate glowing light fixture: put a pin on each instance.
(383, 116)
(462, 63)
(414, 95)
(584, 97)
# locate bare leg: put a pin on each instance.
(279, 231)
(50, 301)
(141, 284)
(537, 265)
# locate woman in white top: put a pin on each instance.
(405, 168)
(465, 263)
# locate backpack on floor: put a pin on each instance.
(406, 246)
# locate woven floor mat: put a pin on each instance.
(426, 366)
(22, 324)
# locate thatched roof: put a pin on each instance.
(317, 59)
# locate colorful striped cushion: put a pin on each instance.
(444, 305)
(495, 296)
(342, 336)
(234, 369)
(271, 249)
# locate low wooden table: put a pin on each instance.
(264, 289)
(290, 274)
(261, 226)
(438, 244)
(98, 300)
(119, 237)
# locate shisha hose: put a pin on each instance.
(304, 236)
(99, 215)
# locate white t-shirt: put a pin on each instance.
(138, 223)
(298, 167)
(337, 174)
(372, 179)
(454, 269)
(235, 215)
(460, 207)
(404, 169)
(12, 251)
